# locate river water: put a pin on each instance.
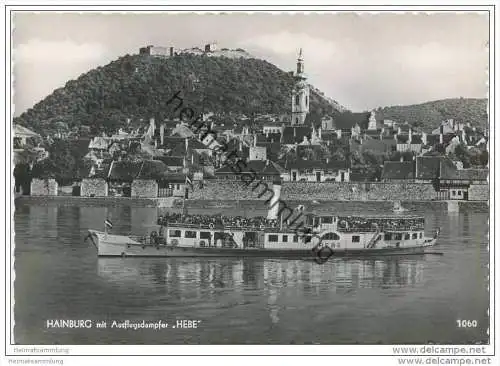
(413, 299)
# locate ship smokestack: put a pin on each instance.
(274, 204)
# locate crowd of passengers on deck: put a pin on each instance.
(364, 224)
(218, 221)
(348, 223)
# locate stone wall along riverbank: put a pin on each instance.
(97, 201)
(329, 191)
(44, 187)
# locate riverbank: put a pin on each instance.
(218, 204)
(245, 207)
(227, 191)
(98, 201)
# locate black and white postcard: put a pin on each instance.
(249, 180)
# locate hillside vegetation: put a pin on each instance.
(429, 115)
(138, 86)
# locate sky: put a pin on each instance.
(361, 60)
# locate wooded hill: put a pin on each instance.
(430, 114)
(138, 86)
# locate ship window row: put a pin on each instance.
(174, 233)
(331, 236)
(399, 236)
(324, 220)
(206, 235)
(189, 234)
(327, 220)
(284, 238)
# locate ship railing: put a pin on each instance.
(138, 238)
(148, 240)
(356, 230)
(403, 228)
(222, 227)
(277, 229)
(382, 218)
(383, 228)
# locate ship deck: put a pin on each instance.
(230, 227)
(288, 229)
(344, 224)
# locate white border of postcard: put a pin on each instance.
(313, 350)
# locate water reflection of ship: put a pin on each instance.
(256, 273)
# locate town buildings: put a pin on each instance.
(450, 182)
(27, 146)
(154, 159)
(317, 171)
(145, 179)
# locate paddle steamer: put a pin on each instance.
(182, 235)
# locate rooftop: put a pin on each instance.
(432, 140)
(428, 167)
(258, 167)
(152, 169)
(295, 134)
(21, 131)
(449, 171)
(124, 170)
(398, 170)
(316, 164)
(347, 120)
(99, 142)
(171, 161)
(127, 171)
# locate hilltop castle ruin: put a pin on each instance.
(209, 49)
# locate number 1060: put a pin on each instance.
(466, 323)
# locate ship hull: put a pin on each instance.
(123, 246)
